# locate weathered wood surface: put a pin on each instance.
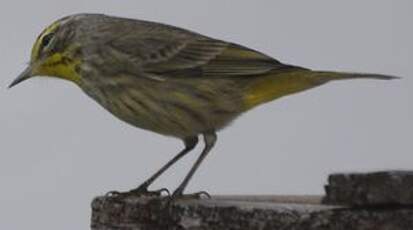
(269, 212)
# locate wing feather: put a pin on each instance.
(184, 54)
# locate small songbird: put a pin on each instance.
(166, 79)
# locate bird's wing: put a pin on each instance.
(193, 56)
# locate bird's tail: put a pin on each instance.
(329, 75)
(273, 86)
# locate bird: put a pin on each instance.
(166, 79)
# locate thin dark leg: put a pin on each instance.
(210, 139)
(190, 144)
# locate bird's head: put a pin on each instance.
(55, 53)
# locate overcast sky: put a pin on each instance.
(59, 149)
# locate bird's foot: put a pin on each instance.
(140, 191)
(178, 195)
(143, 191)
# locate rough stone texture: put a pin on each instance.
(370, 189)
(370, 201)
(243, 213)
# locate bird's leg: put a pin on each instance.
(210, 139)
(190, 144)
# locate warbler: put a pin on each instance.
(166, 79)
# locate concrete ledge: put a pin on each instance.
(372, 201)
(370, 189)
(149, 213)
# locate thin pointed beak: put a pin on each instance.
(26, 74)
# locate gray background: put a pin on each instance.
(59, 149)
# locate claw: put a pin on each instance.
(168, 193)
(197, 195)
(112, 194)
(205, 193)
(144, 191)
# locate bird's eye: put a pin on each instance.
(46, 39)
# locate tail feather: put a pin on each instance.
(270, 87)
(344, 76)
